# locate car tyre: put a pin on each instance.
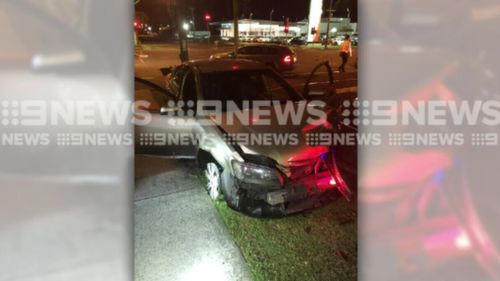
(214, 182)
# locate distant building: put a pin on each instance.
(249, 29)
(266, 29)
(337, 25)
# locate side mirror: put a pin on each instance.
(166, 71)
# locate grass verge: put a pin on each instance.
(316, 245)
(320, 46)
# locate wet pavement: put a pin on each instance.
(178, 232)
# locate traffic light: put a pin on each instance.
(208, 18)
(137, 24)
(287, 25)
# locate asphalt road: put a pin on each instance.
(156, 56)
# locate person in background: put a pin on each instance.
(345, 52)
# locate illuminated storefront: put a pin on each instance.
(267, 30)
(337, 25)
(250, 29)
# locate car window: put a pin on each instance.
(244, 51)
(252, 50)
(189, 92)
(270, 51)
(257, 50)
(240, 86)
(275, 88)
(154, 96)
(178, 74)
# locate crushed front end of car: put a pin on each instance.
(261, 187)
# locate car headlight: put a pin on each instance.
(257, 174)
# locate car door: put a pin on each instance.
(320, 83)
(320, 86)
(272, 57)
(160, 128)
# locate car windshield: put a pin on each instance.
(240, 86)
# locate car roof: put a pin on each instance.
(223, 65)
(273, 46)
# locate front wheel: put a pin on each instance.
(214, 182)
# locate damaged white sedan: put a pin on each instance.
(259, 143)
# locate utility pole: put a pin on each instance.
(250, 26)
(193, 19)
(330, 11)
(208, 18)
(236, 22)
(184, 55)
(271, 23)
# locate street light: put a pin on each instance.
(192, 18)
(137, 24)
(250, 27)
(270, 23)
(185, 26)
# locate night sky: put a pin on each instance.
(222, 9)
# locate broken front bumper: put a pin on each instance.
(298, 193)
